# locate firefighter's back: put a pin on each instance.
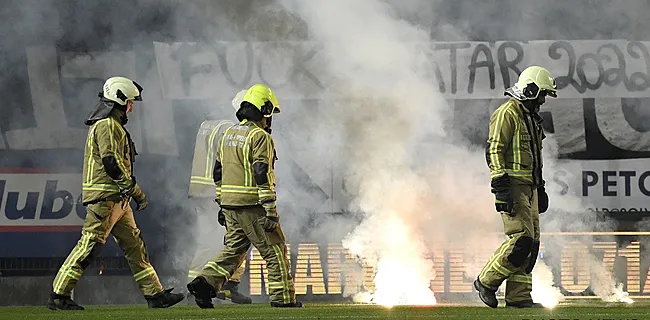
(238, 187)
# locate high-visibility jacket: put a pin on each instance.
(515, 144)
(205, 152)
(244, 168)
(108, 160)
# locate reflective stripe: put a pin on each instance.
(81, 249)
(516, 148)
(501, 269)
(91, 152)
(218, 269)
(144, 274)
(201, 180)
(276, 285)
(193, 274)
(521, 278)
(210, 159)
(284, 273)
(248, 168)
(114, 147)
(512, 173)
(494, 258)
(495, 140)
(238, 189)
(263, 193)
(100, 187)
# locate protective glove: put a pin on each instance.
(140, 201)
(271, 223)
(542, 199)
(503, 195)
(221, 218)
(138, 196)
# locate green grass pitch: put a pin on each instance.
(569, 310)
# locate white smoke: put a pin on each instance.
(569, 214)
(418, 187)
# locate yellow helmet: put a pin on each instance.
(121, 89)
(263, 98)
(531, 82)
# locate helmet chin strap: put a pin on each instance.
(532, 105)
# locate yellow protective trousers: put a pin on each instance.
(103, 218)
(208, 231)
(509, 261)
(245, 227)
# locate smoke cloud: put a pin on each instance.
(415, 182)
(418, 190)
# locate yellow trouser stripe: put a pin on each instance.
(218, 269)
(276, 285)
(193, 274)
(66, 271)
(283, 273)
(521, 278)
(493, 259)
(144, 274)
(501, 269)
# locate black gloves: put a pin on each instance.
(221, 218)
(502, 191)
(140, 201)
(136, 193)
(542, 199)
(138, 196)
(271, 223)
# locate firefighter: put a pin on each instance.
(514, 156)
(245, 179)
(108, 186)
(202, 193)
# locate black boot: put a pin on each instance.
(296, 304)
(487, 295)
(202, 292)
(59, 302)
(164, 299)
(524, 304)
(230, 292)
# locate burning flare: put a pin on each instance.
(403, 275)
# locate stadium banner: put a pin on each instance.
(38, 201)
(582, 266)
(458, 70)
(617, 187)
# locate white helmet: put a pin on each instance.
(532, 81)
(120, 90)
(237, 100)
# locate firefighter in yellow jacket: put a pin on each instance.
(108, 186)
(514, 156)
(202, 193)
(245, 179)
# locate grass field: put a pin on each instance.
(571, 310)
